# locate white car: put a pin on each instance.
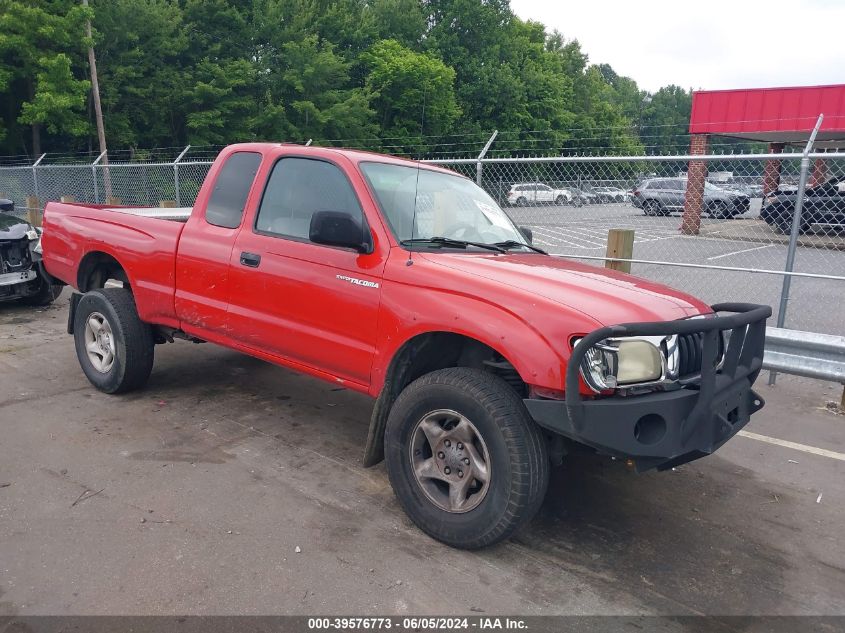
(526, 193)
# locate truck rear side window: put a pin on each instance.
(226, 205)
(296, 189)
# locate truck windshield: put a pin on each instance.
(447, 206)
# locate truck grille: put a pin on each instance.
(690, 353)
(14, 256)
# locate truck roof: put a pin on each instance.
(355, 155)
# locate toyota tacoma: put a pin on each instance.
(488, 359)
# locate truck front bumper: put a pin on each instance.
(663, 429)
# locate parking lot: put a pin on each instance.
(815, 303)
(230, 486)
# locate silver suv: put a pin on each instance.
(661, 196)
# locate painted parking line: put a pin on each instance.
(640, 235)
(813, 450)
(549, 240)
(745, 250)
(594, 238)
(575, 241)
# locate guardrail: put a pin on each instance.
(806, 354)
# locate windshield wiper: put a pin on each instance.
(448, 241)
(513, 244)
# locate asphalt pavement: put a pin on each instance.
(230, 486)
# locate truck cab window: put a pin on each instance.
(297, 188)
(226, 205)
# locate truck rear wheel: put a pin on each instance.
(114, 347)
(468, 464)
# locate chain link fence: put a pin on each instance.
(733, 245)
(736, 250)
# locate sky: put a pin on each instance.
(732, 44)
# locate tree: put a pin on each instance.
(305, 81)
(59, 101)
(412, 93)
(665, 121)
(219, 103)
(220, 96)
(217, 71)
(41, 42)
(400, 20)
(141, 60)
(626, 94)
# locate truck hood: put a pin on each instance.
(607, 296)
(12, 228)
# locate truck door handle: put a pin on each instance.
(250, 259)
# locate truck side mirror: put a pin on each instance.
(339, 228)
(527, 233)
(7, 206)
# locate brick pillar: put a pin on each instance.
(771, 172)
(696, 176)
(819, 175)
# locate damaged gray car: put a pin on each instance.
(22, 275)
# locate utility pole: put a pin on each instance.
(98, 108)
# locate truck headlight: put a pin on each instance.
(621, 362)
(32, 235)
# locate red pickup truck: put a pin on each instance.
(488, 358)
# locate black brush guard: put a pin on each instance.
(666, 428)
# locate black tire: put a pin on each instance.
(518, 457)
(560, 200)
(719, 210)
(521, 202)
(652, 208)
(132, 340)
(47, 294)
(784, 227)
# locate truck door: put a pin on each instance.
(306, 303)
(205, 247)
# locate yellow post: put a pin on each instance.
(620, 245)
(33, 211)
(167, 204)
(115, 202)
(67, 199)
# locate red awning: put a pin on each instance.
(783, 115)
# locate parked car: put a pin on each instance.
(488, 358)
(611, 194)
(22, 276)
(751, 190)
(823, 204)
(523, 194)
(661, 196)
(583, 196)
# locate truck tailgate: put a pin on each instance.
(145, 247)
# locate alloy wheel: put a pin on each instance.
(450, 461)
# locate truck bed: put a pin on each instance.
(142, 239)
(174, 214)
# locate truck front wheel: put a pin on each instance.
(113, 345)
(465, 459)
